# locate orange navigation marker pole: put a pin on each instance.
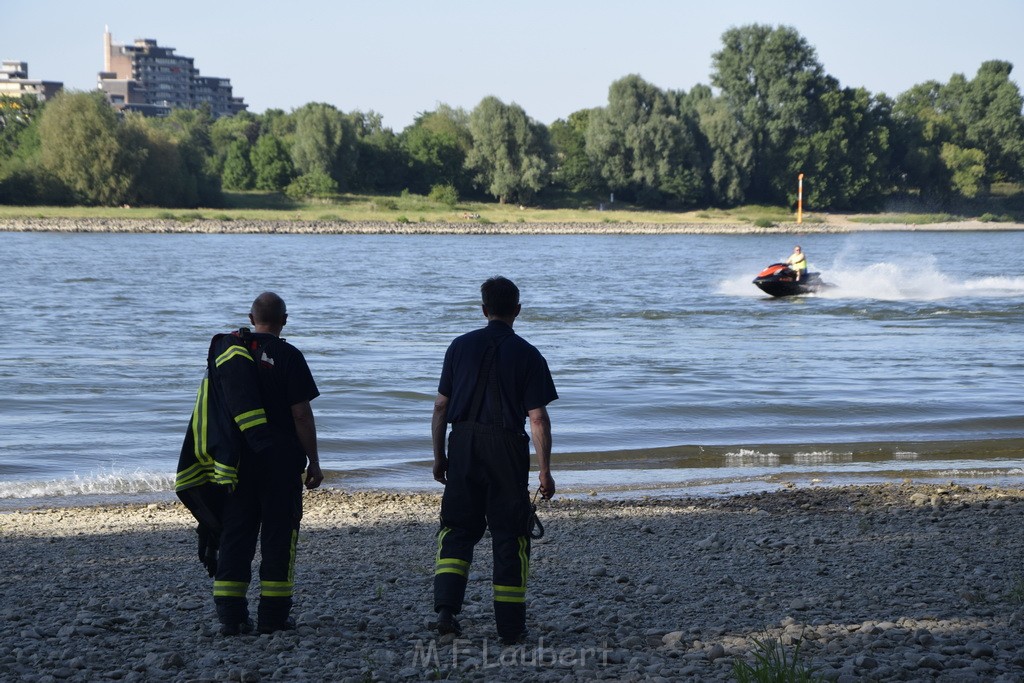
(800, 198)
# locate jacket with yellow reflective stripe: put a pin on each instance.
(233, 359)
(227, 419)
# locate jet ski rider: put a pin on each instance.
(797, 262)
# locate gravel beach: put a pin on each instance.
(832, 224)
(888, 582)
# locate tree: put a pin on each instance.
(238, 173)
(163, 178)
(226, 131)
(82, 146)
(381, 163)
(726, 146)
(846, 162)
(271, 164)
(191, 130)
(989, 118)
(918, 131)
(572, 167)
(318, 136)
(641, 147)
(437, 144)
(966, 167)
(17, 115)
(771, 81)
(510, 151)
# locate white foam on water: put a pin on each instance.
(905, 455)
(821, 458)
(114, 482)
(741, 285)
(918, 279)
(750, 458)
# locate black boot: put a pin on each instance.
(447, 623)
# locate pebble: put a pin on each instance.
(630, 590)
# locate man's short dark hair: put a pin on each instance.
(500, 295)
(269, 309)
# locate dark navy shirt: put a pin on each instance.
(285, 379)
(524, 380)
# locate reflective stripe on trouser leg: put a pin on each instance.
(229, 599)
(509, 594)
(230, 589)
(511, 571)
(516, 593)
(282, 589)
(448, 565)
(451, 573)
(276, 595)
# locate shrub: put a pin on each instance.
(403, 219)
(314, 184)
(383, 204)
(764, 223)
(444, 194)
(992, 218)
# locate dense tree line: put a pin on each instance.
(770, 112)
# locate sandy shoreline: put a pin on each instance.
(126, 225)
(890, 582)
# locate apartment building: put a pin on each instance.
(14, 82)
(151, 79)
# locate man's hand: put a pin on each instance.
(313, 475)
(547, 485)
(438, 430)
(441, 469)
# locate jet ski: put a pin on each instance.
(779, 280)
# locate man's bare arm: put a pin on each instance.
(438, 431)
(305, 428)
(540, 429)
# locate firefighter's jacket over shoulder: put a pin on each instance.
(228, 419)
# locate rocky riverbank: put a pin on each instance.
(893, 582)
(134, 225)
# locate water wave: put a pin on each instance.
(114, 482)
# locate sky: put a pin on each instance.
(551, 57)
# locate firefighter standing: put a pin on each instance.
(267, 387)
(491, 381)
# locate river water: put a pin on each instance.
(675, 373)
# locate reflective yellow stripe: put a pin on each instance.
(440, 540)
(229, 589)
(276, 589)
(201, 473)
(450, 565)
(509, 593)
(251, 419)
(199, 422)
(196, 474)
(230, 353)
